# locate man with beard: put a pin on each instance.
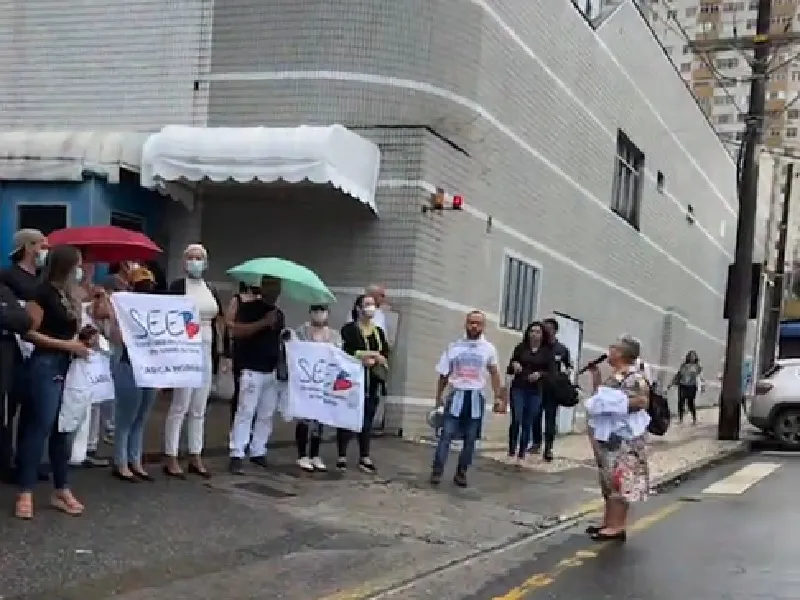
(462, 373)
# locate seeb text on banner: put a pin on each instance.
(162, 336)
(325, 385)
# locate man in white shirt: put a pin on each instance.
(462, 370)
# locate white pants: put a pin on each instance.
(258, 397)
(189, 404)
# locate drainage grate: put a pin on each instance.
(263, 489)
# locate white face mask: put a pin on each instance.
(41, 257)
(195, 267)
(369, 311)
(319, 317)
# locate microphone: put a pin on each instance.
(593, 363)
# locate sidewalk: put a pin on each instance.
(303, 536)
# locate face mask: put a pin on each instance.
(318, 317)
(195, 268)
(369, 311)
(41, 258)
(78, 275)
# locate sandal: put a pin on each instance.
(593, 529)
(601, 536)
(67, 503)
(23, 508)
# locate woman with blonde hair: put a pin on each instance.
(618, 421)
(190, 403)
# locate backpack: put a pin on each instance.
(659, 412)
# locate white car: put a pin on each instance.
(775, 407)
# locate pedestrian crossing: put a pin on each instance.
(742, 480)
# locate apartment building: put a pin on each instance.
(721, 80)
(592, 183)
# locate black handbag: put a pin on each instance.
(564, 391)
(282, 368)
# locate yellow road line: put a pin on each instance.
(543, 580)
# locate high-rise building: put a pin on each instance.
(721, 80)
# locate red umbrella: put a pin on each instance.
(106, 243)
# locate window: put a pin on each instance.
(127, 221)
(687, 49)
(686, 67)
(791, 132)
(520, 294)
(672, 14)
(626, 195)
(793, 113)
(751, 23)
(727, 63)
(44, 217)
(691, 11)
(660, 182)
(724, 119)
(723, 100)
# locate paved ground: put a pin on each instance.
(281, 534)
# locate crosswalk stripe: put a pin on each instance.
(742, 480)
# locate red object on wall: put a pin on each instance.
(458, 202)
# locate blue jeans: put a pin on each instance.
(132, 406)
(46, 391)
(525, 406)
(453, 429)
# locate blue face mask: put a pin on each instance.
(41, 258)
(78, 274)
(195, 268)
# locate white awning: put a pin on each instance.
(68, 155)
(328, 155)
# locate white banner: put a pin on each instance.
(162, 336)
(325, 385)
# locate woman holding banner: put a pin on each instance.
(132, 403)
(366, 341)
(55, 312)
(190, 403)
(308, 433)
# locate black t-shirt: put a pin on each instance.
(20, 281)
(261, 351)
(58, 321)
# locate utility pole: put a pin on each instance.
(775, 292)
(738, 295)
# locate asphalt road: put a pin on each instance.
(729, 542)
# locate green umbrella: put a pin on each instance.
(298, 282)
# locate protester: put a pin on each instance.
(378, 294)
(366, 341)
(245, 294)
(21, 279)
(618, 440)
(54, 334)
(133, 403)
(191, 401)
(533, 367)
(462, 373)
(687, 379)
(549, 407)
(257, 329)
(308, 433)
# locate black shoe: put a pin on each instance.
(593, 529)
(341, 464)
(460, 479)
(115, 473)
(142, 475)
(533, 449)
(436, 477)
(236, 466)
(174, 474)
(259, 461)
(599, 536)
(547, 455)
(92, 460)
(201, 472)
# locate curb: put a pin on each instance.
(742, 448)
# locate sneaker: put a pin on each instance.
(366, 465)
(260, 461)
(236, 466)
(318, 465)
(341, 464)
(305, 464)
(436, 477)
(460, 479)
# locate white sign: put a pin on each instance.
(325, 385)
(162, 337)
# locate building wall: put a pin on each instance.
(101, 64)
(523, 101)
